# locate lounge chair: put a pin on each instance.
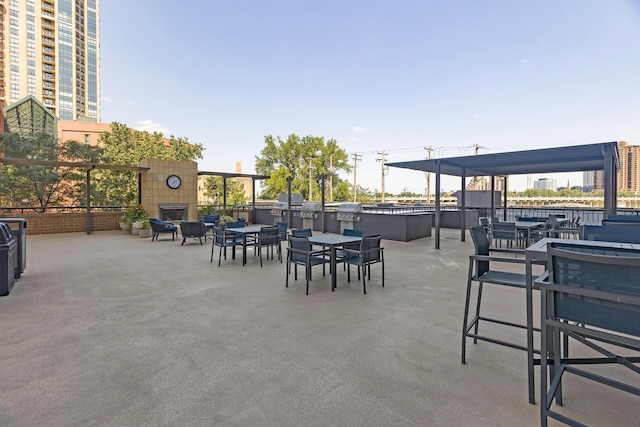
(160, 227)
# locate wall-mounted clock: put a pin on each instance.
(174, 181)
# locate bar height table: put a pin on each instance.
(537, 253)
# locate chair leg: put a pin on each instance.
(288, 271)
(183, 239)
(477, 322)
(364, 281)
(465, 317)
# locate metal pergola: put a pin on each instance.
(591, 157)
(226, 175)
(88, 167)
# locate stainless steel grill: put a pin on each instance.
(348, 211)
(309, 210)
(278, 208)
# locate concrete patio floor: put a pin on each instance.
(111, 329)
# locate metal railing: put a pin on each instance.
(60, 209)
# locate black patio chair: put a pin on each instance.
(505, 231)
(611, 233)
(284, 230)
(194, 230)
(562, 231)
(593, 299)
(484, 222)
(160, 227)
(302, 232)
(269, 237)
(211, 220)
(224, 240)
(236, 224)
(482, 271)
(340, 253)
(300, 252)
(370, 252)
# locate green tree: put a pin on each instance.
(215, 190)
(569, 192)
(343, 192)
(299, 158)
(532, 192)
(124, 146)
(44, 186)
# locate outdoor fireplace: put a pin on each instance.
(173, 212)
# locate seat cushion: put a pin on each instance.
(504, 278)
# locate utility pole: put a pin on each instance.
(310, 177)
(476, 147)
(385, 169)
(356, 158)
(429, 152)
(331, 177)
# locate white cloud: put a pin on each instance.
(130, 103)
(359, 129)
(105, 99)
(353, 138)
(524, 60)
(476, 116)
(151, 126)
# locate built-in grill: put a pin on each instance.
(347, 215)
(278, 211)
(309, 212)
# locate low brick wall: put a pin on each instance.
(73, 222)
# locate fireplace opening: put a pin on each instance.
(174, 213)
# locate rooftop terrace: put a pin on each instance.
(111, 329)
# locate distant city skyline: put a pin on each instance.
(375, 76)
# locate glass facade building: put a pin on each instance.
(51, 51)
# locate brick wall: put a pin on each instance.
(50, 223)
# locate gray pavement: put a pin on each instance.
(111, 329)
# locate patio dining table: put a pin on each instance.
(537, 253)
(245, 232)
(333, 242)
(526, 227)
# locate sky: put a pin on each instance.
(394, 76)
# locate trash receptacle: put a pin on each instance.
(19, 229)
(8, 259)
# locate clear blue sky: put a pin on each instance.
(393, 76)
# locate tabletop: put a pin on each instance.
(333, 239)
(245, 230)
(529, 224)
(540, 247)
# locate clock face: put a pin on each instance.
(174, 181)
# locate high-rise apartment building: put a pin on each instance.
(628, 173)
(50, 49)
